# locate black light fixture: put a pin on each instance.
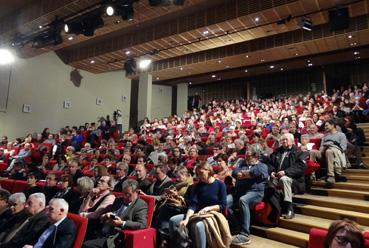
(166, 2)
(284, 20)
(51, 36)
(123, 8)
(306, 24)
(86, 26)
(130, 67)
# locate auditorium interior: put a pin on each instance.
(184, 123)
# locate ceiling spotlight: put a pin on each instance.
(40, 26)
(227, 66)
(257, 19)
(86, 26)
(284, 20)
(6, 57)
(109, 10)
(70, 38)
(47, 38)
(310, 64)
(92, 62)
(282, 68)
(296, 54)
(356, 53)
(66, 28)
(166, 2)
(181, 68)
(308, 60)
(262, 60)
(144, 63)
(246, 70)
(271, 67)
(157, 78)
(213, 76)
(353, 44)
(130, 67)
(350, 36)
(206, 32)
(247, 56)
(306, 24)
(189, 83)
(127, 52)
(219, 61)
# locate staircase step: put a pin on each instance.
(257, 242)
(332, 213)
(282, 235)
(360, 172)
(333, 202)
(357, 178)
(353, 194)
(303, 223)
(345, 185)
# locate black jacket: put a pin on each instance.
(30, 232)
(118, 185)
(63, 236)
(293, 165)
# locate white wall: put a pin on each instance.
(44, 83)
(161, 105)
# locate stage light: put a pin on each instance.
(306, 24)
(109, 10)
(51, 37)
(130, 67)
(86, 26)
(144, 63)
(6, 56)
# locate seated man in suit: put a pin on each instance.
(29, 231)
(121, 176)
(61, 231)
(127, 212)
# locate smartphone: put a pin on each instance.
(113, 217)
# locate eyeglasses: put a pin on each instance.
(102, 181)
(343, 241)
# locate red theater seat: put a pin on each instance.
(317, 237)
(81, 226)
(3, 166)
(145, 238)
(7, 184)
(19, 186)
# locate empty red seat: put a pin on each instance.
(3, 166)
(19, 186)
(7, 184)
(81, 227)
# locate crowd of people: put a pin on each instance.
(210, 165)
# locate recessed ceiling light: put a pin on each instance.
(310, 64)
(92, 62)
(117, 21)
(40, 26)
(181, 68)
(350, 36)
(246, 70)
(262, 60)
(127, 52)
(205, 32)
(189, 82)
(271, 67)
(247, 56)
(213, 76)
(353, 44)
(70, 38)
(296, 54)
(308, 61)
(157, 78)
(257, 19)
(227, 66)
(282, 69)
(356, 53)
(219, 61)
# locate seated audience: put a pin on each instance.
(51, 188)
(127, 212)
(32, 180)
(61, 231)
(5, 212)
(286, 166)
(120, 176)
(141, 177)
(31, 229)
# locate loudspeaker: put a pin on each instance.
(339, 19)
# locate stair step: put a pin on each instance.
(303, 223)
(333, 202)
(332, 213)
(257, 242)
(353, 194)
(357, 178)
(345, 185)
(282, 235)
(360, 172)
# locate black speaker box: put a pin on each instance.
(339, 19)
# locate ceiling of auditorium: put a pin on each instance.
(201, 41)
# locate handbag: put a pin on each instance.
(181, 238)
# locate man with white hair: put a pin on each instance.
(34, 225)
(61, 231)
(16, 203)
(286, 168)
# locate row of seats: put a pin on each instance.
(132, 238)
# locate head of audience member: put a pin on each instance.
(181, 174)
(222, 160)
(27, 146)
(160, 172)
(4, 140)
(162, 159)
(70, 150)
(141, 172)
(141, 160)
(126, 158)
(32, 179)
(204, 172)
(73, 167)
(101, 170)
(129, 190)
(305, 139)
(85, 185)
(172, 163)
(4, 199)
(57, 210)
(35, 204)
(51, 180)
(239, 144)
(104, 184)
(66, 181)
(287, 140)
(121, 170)
(344, 234)
(192, 152)
(253, 153)
(17, 202)
(313, 129)
(330, 126)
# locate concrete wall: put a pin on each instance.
(161, 105)
(44, 83)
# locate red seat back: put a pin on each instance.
(317, 237)
(7, 184)
(19, 186)
(81, 227)
(3, 166)
(150, 200)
